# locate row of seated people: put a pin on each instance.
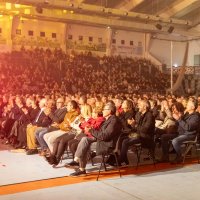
(78, 127)
(143, 125)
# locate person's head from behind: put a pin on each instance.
(109, 109)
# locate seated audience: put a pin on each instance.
(188, 127)
(64, 127)
(106, 138)
(144, 125)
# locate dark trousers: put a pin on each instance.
(61, 144)
(73, 144)
(146, 142)
(8, 126)
(165, 142)
(22, 137)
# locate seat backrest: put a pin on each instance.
(117, 144)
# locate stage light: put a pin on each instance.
(8, 6)
(17, 5)
(170, 30)
(27, 11)
(159, 27)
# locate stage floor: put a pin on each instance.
(31, 177)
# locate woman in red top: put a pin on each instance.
(94, 122)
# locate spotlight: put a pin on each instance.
(170, 30)
(159, 27)
(39, 9)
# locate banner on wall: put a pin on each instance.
(128, 50)
(35, 42)
(76, 45)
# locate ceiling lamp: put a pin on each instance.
(170, 30)
(159, 26)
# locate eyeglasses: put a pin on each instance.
(106, 109)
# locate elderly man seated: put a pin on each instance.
(144, 125)
(188, 126)
(105, 136)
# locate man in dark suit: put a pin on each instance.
(56, 118)
(42, 120)
(106, 137)
(144, 125)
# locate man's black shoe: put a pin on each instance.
(32, 152)
(93, 154)
(78, 173)
(172, 151)
(72, 164)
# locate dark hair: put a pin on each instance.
(74, 104)
(179, 106)
(110, 101)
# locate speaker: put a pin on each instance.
(170, 30)
(159, 27)
(39, 9)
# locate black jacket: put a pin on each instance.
(123, 117)
(58, 115)
(43, 120)
(145, 124)
(107, 135)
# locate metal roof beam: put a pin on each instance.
(175, 7)
(128, 4)
(89, 9)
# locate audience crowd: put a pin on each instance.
(46, 71)
(51, 102)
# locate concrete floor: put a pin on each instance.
(178, 183)
(182, 183)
